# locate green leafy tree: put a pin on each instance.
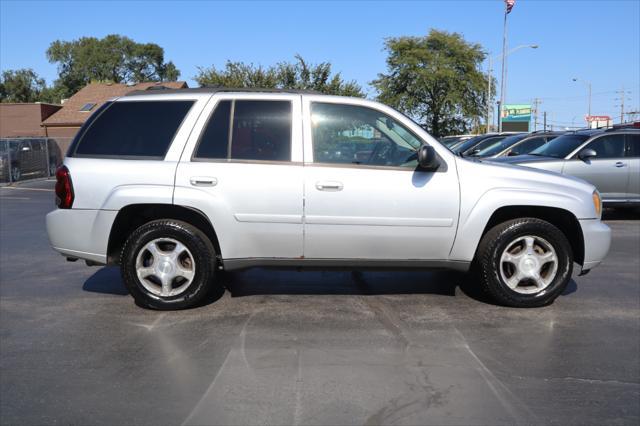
(114, 58)
(22, 85)
(284, 75)
(435, 79)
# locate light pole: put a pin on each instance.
(588, 84)
(503, 78)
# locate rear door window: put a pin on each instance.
(609, 146)
(261, 130)
(214, 142)
(137, 129)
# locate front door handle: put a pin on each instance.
(329, 186)
(620, 164)
(203, 181)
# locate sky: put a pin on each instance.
(595, 41)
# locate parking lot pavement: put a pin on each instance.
(288, 347)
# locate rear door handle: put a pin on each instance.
(620, 164)
(329, 186)
(203, 181)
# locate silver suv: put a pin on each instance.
(175, 186)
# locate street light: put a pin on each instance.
(588, 84)
(502, 81)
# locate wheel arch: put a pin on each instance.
(562, 219)
(132, 216)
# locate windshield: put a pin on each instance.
(450, 140)
(561, 146)
(462, 147)
(498, 146)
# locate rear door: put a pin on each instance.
(608, 171)
(633, 158)
(242, 167)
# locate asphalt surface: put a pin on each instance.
(289, 347)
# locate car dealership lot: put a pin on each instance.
(288, 347)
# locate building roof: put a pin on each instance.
(24, 119)
(79, 107)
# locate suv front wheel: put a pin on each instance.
(168, 264)
(524, 262)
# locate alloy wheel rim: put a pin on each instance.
(165, 267)
(528, 264)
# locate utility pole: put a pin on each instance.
(489, 77)
(536, 102)
(545, 121)
(622, 98)
(504, 60)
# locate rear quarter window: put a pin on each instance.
(139, 129)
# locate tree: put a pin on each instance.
(435, 79)
(284, 75)
(114, 58)
(22, 85)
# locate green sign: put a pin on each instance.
(516, 113)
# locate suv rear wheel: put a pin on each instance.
(168, 264)
(524, 262)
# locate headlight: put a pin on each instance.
(597, 203)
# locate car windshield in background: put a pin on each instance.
(561, 146)
(482, 144)
(450, 140)
(467, 144)
(499, 146)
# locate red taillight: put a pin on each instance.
(64, 188)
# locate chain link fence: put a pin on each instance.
(30, 158)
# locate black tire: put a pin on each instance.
(16, 174)
(498, 238)
(198, 244)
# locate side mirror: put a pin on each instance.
(587, 154)
(428, 159)
(512, 154)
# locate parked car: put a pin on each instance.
(452, 140)
(25, 157)
(608, 159)
(177, 185)
(518, 144)
(473, 145)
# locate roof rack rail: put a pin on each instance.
(218, 89)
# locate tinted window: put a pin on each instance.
(351, 134)
(610, 146)
(561, 146)
(498, 146)
(527, 146)
(137, 129)
(261, 130)
(214, 142)
(485, 143)
(633, 145)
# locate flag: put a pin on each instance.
(509, 4)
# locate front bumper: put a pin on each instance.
(81, 233)
(597, 241)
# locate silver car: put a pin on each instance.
(176, 186)
(608, 159)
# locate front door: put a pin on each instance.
(608, 171)
(364, 197)
(244, 172)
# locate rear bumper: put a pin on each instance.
(597, 240)
(81, 233)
